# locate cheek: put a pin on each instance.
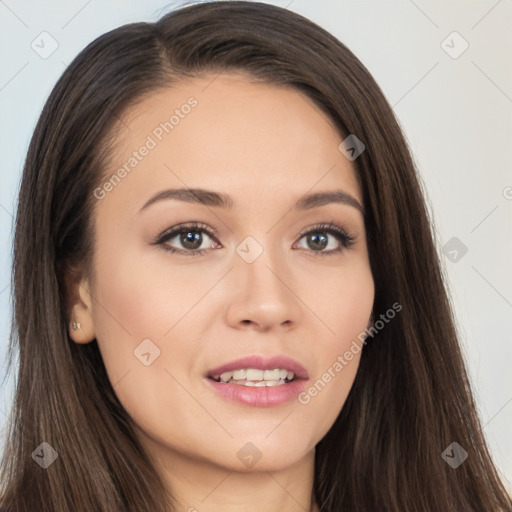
(149, 311)
(342, 301)
(140, 315)
(339, 347)
(135, 305)
(136, 298)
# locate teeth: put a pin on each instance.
(239, 374)
(252, 374)
(272, 374)
(226, 376)
(270, 383)
(256, 378)
(260, 384)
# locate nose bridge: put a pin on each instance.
(264, 292)
(263, 261)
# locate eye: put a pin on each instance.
(190, 236)
(317, 238)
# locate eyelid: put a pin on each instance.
(330, 226)
(345, 239)
(170, 233)
(191, 226)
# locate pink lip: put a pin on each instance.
(260, 396)
(261, 363)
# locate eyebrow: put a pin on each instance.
(220, 200)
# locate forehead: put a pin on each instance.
(228, 133)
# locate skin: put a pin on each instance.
(266, 147)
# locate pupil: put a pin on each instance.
(193, 239)
(313, 241)
(190, 238)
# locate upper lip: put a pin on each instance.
(262, 363)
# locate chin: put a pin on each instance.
(261, 454)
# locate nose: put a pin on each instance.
(264, 294)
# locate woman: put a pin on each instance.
(221, 296)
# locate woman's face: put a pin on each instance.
(166, 321)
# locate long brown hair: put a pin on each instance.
(411, 397)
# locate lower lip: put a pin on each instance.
(264, 396)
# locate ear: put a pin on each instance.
(79, 306)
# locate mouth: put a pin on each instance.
(256, 381)
(253, 377)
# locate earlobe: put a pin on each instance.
(81, 324)
(80, 333)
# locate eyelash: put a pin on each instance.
(337, 231)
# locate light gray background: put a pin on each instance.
(456, 114)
